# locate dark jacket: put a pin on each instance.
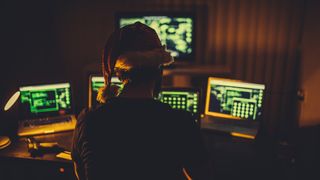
(136, 139)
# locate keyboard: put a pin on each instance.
(45, 121)
(46, 125)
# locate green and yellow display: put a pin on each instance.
(180, 100)
(174, 32)
(45, 98)
(235, 99)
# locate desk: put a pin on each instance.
(17, 163)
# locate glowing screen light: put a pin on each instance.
(174, 32)
(97, 82)
(180, 100)
(12, 100)
(234, 99)
(46, 98)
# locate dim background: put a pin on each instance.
(274, 42)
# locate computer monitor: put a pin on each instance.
(175, 30)
(45, 100)
(187, 99)
(232, 99)
(95, 83)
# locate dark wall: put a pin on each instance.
(310, 66)
(55, 41)
(29, 50)
(50, 42)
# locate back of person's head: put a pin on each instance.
(134, 54)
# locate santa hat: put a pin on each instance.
(135, 46)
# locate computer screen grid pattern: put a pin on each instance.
(46, 99)
(181, 100)
(234, 99)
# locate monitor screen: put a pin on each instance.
(181, 99)
(97, 82)
(234, 99)
(174, 31)
(45, 100)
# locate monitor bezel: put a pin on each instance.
(189, 58)
(227, 117)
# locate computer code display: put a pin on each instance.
(97, 82)
(234, 99)
(181, 100)
(174, 32)
(42, 99)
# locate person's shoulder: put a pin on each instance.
(182, 113)
(84, 115)
(90, 113)
(183, 118)
(162, 105)
(173, 112)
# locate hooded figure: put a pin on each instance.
(132, 135)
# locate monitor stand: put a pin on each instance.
(4, 142)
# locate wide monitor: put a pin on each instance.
(45, 100)
(175, 30)
(232, 99)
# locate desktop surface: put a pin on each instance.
(18, 148)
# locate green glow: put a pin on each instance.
(238, 84)
(180, 100)
(171, 30)
(45, 86)
(164, 20)
(98, 81)
(46, 98)
(174, 93)
(236, 98)
(97, 85)
(175, 33)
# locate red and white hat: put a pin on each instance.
(133, 46)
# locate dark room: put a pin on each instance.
(160, 89)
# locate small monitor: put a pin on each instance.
(45, 100)
(232, 99)
(175, 30)
(95, 83)
(187, 99)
